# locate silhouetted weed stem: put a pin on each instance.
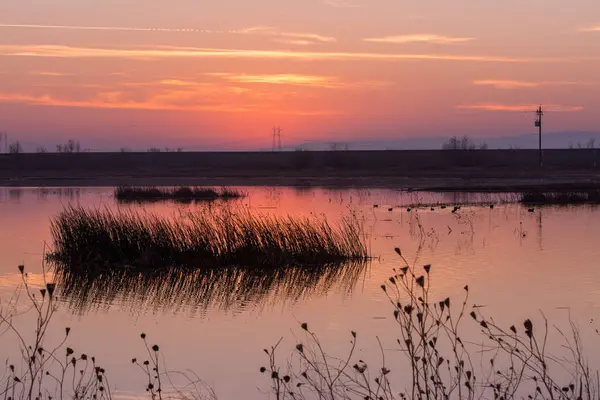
(56, 372)
(41, 366)
(439, 357)
(323, 376)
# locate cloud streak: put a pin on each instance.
(173, 101)
(258, 30)
(114, 28)
(419, 38)
(285, 79)
(340, 4)
(590, 29)
(287, 37)
(243, 82)
(519, 107)
(510, 84)
(58, 51)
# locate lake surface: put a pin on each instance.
(516, 263)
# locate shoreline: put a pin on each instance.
(426, 170)
(449, 183)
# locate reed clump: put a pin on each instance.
(182, 194)
(561, 198)
(83, 238)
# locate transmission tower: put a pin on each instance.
(276, 139)
(538, 124)
(4, 135)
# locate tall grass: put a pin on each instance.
(182, 194)
(203, 238)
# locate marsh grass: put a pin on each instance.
(438, 359)
(179, 194)
(85, 238)
(561, 198)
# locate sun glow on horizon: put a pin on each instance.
(379, 67)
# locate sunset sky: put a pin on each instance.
(221, 73)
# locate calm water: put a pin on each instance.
(516, 263)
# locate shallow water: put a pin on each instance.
(515, 262)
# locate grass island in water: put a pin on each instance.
(202, 238)
(182, 193)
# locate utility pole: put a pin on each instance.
(538, 124)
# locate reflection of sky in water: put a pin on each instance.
(515, 263)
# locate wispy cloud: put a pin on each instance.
(257, 30)
(340, 4)
(49, 73)
(590, 29)
(294, 42)
(309, 36)
(113, 100)
(189, 52)
(291, 37)
(519, 107)
(510, 84)
(171, 101)
(286, 79)
(419, 38)
(315, 81)
(114, 28)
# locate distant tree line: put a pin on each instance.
(71, 146)
(590, 144)
(463, 143)
(166, 149)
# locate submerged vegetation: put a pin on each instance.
(561, 198)
(181, 194)
(86, 238)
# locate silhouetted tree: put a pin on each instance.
(462, 143)
(72, 146)
(15, 148)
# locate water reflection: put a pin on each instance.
(66, 193)
(200, 290)
(43, 193)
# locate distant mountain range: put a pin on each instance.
(557, 140)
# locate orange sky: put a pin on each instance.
(137, 72)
